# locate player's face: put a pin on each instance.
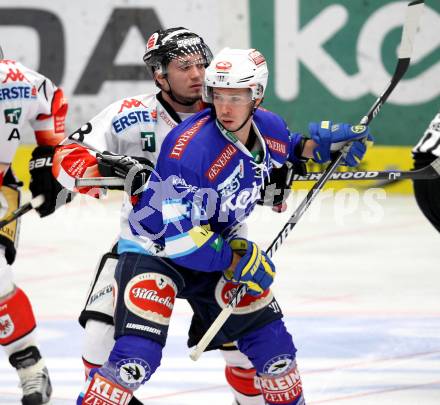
(232, 106)
(185, 76)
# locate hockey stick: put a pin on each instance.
(431, 171)
(414, 10)
(100, 182)
(34, 203)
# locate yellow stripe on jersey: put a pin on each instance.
(188, 242)
(200, 235)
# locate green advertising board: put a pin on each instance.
(330, 60)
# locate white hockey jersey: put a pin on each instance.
(134, 126)
(27, 96)
(430, 141)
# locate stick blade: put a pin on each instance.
(412, 21)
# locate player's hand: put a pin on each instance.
(331, 137)
(254, 269)
(43, 183)
(136, 170)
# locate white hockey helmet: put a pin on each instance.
(236, 69)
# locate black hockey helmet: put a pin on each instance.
(166, 45)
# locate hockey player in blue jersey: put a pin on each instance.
(189, 235)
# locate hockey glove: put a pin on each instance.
(333, 137)
(277, 187)
(43, 182)
(254, 269)
(136, 170)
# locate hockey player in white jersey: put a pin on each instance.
(427, 192)
(25, 97)
(135, 127)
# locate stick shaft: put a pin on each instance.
(431, 171)
(402, 66)
(14, 215)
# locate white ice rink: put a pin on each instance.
(358, 280)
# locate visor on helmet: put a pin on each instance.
(231, 99)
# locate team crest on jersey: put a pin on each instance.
(221, 162)
(151, 296)
(132, 372)
(225, 290)
(148, 140)
(6, 326)
(12, 115)
(232, 183)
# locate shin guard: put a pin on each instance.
(88, 367)
(244, 385)
(241, 377)
(16, 317)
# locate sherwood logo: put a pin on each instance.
(342, 175)
(347, 176)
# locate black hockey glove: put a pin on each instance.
(277, 190)
(135, 169)
(43, 182)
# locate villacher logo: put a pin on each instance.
(151, 296)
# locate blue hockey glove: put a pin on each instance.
(254, 269)
(333, 137)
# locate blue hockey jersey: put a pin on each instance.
(205, 184)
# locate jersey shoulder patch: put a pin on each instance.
(274, 130)
(180, 137)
